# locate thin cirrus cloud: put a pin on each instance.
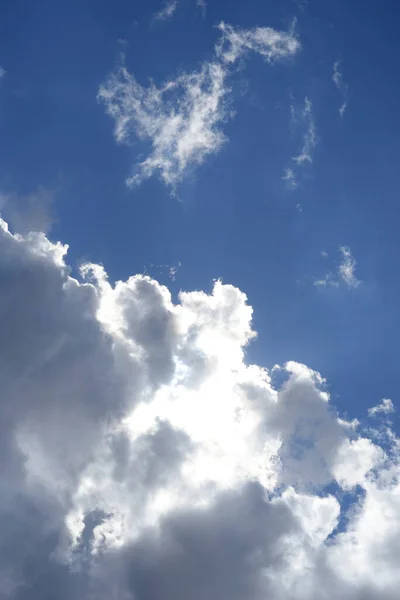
(309, 136)
(303, 119)
(344, 274)
(289, 175)
(347, 268)
(183, 119)
(167, 11)
(202, 5)
(143, 457)
(342, 87)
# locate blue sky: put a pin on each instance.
(285, 183)
(236, 219)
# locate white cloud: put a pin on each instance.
(342, 87)
(310, 135)
(385, 407)
(155, 270)
(167, 11)
(347, 268)
(271, 44)
(183, 119)
(327, 281)
(143, 457)
(290, 176)
(302, 118)
(172, 271)
(3, 73)
(345, 273)
(202, 5)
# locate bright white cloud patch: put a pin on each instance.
(342, 87)
(271, 44)
(183, 119)
(142, 457)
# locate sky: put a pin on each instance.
(198, 300)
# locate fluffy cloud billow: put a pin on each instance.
(142, 457)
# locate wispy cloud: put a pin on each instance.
(169, 271)
(309, 137)
(167, 11)
(183, 119)
(173, 271)
(301, 4)
(327, 281)
(386, 407)
(3, 73)
(345, 273)
(202, 5)
(290, 176)
(347, 268)
(271, 44)
(337, 78)
(301, 118)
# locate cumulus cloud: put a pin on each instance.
(342, 87)
(167, 11)
(183, 120)
(345, 272)
(142, 456)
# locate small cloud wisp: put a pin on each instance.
(342, 87)
(345, 273)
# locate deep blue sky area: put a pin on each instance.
(234, 217)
